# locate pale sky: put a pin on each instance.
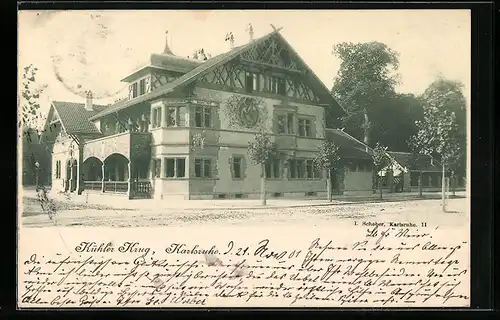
(98, 48)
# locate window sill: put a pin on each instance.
(306, 179)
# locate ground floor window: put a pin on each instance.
(273, 169)
(58, 169)
(203, 168)
(175, 167)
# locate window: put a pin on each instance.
(134, 90)
(142, 86)
(298, 169)
(58, 169)
(251, 81)
(272, 85)
(156, 168)
(175, 167)
(156, 117)
(304, 127)
(202, 168)
(169, 168)
(237, 167)
(281, 124)
(310, 169)
(289, 123)
(182, 115)
(171, 116)
(203, 117)
(281, 87)
(180, 168)
(273, 170)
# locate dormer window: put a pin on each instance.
(134, 90)
(142, 86)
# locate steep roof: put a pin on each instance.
(220, 59)
(350, 147)
(75, 118)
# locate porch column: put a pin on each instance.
(129, 180)
(79, 180)
(102, 179)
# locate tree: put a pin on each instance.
(29, 126)
(448, 95)
(380, 162)
(364, 83)
(30, 98)
(438, 135)
(262, 151)
(327, 158)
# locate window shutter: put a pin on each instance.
(130, 92)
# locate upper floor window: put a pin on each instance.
(203, 117)
(304, 127)
(251, 81)
(142, 86)
(134, 90)
(276, 85)
(156, 117)
(176, 116)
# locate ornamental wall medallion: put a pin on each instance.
(245, 112)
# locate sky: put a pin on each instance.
(77, 51)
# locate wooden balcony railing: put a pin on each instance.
(92, 185)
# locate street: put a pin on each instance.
(424, 210)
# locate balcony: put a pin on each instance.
(128, 144)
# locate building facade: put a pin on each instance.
(184, 130)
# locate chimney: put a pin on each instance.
(167, 48)
(230, 39)
(250, 31)
(88, 104)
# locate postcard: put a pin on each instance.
(209, 159)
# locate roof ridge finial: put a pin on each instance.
(167, 48)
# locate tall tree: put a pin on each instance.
(263, 151)
(438, 134)
(365, 81)
(29, 126)
(447, 95)
(30, 98)
(327, 158)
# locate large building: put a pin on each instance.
(184, 130)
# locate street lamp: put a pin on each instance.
(37, 166)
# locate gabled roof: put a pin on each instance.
(74, 118)
(208, 66)
(350, 147)
(422, 163)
